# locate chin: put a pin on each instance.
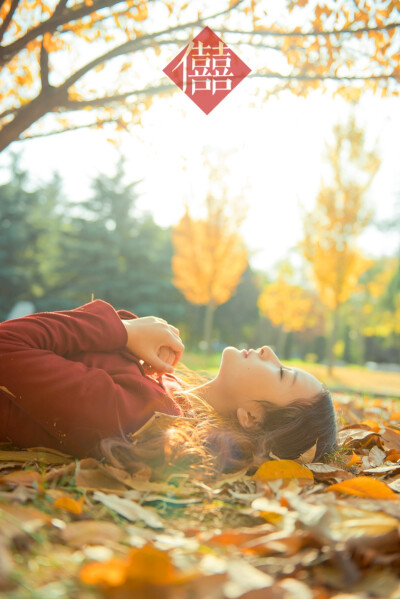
(229, 350)
(229, 354)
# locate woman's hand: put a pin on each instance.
(155, 342)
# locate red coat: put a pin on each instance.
(67, 380)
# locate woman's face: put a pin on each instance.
(253, 375)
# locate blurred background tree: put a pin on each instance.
(209, 258)
(288, 306)
(332, 228)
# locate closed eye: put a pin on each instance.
(281, 371)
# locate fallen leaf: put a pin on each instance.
(391, 438)
(26, 478)
(283, 469)
(15, 519)
(364, 486)
(376, 456)
(372, 424)
(355, 459)
(41, 456)
(146, 566)
(91, 475)
(69, 504)
(129, 509)
(91, 532)
(349, 523)
(393, 455)
(308, 455)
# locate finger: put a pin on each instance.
(178, 348)
(161, 366)
(166, 354)
(174, 329)
(176, 343)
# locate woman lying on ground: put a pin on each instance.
(71, 379)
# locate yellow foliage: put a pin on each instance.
(209, 258)
(332, 227)
(288, 306)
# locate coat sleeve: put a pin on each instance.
(74, 403)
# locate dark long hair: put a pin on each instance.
(207, 444)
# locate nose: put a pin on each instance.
(266, 353)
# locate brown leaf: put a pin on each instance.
(358, 438)
(26, 478)
(327, 472)
(39, 455)
(15, 519)
(391, 438)
(91, 475)
(91, 532)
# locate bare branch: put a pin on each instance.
(8, 18)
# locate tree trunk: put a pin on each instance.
(333, 338)
(208, 322)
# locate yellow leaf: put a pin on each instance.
(355, 459)
(111, 573)
(283, 469)
(142, 12)
(363, 486)
(145, 566)
(69, 504)
(373, 425)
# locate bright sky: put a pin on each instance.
(276, 159)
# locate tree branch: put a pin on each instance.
(8, 18)
(44, 67)
(99, 102)
(49, 26)
(60, 7)
(72, 15)
(301, 77)
(74, 128)
(265, 32)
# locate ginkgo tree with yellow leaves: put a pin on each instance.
(96, 63)
(209, 257)
(332, 227)
(288, 306)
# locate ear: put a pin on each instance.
(248, 418)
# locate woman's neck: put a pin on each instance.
(212, 394)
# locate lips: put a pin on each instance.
(247, 352)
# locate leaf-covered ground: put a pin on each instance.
(89, 530)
